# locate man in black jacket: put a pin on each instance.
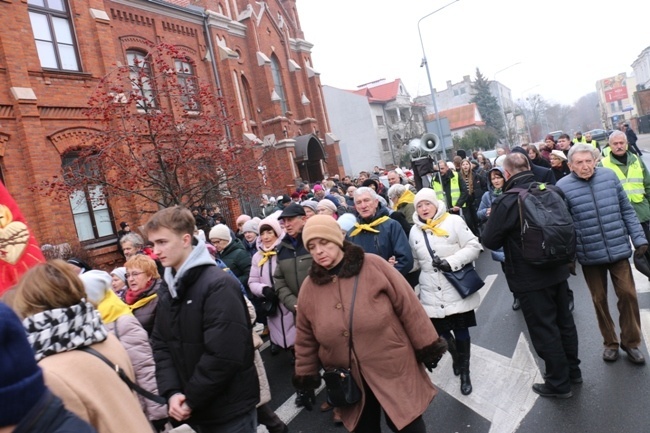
(202, 340)
(541, 292)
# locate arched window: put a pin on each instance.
(52, 28)
(248, 99)
(277, 83)
(141, 78)
(188, 83)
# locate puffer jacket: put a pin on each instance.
(390, 241)
(603, 217)
(438, 297)
(282, 327)
(238, 260)
(293, 263)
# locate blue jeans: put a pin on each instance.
(246, 423)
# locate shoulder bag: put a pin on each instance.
(341, 388)
(465, 280)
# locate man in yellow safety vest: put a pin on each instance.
(450, 188)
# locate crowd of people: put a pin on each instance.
(344, 275)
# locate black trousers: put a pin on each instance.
(370, 420)
(553, 333)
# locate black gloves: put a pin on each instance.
(443, 265)
(639, 252)
(430, 365)
(159, 424)
(268, 292)
(306, 399)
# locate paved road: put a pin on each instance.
(613, 398)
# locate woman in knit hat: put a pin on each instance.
(310, 207)
(232, 252)
(327, 207)
(442, 242)
(389, 333)
(119, 321)
(250, 233)
(118, 281)
(58, 319)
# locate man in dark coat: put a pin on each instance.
(541, 174)
(202, 341)
(631, 138)
(542, 293)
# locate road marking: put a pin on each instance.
(288, 411)
(640, 281)
(502, 387)
(645, 327)
(489, 281)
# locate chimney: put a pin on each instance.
(466, 78)
(449, 84)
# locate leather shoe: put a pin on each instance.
(610, 355)
(516, 305)
(634, 355)
(545, 391)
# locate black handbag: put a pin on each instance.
(269, 305)
(465, 280)
(341, 388)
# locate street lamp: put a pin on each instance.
(503, 109)
(426, 66)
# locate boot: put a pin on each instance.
(463, 347)
(451, 348)
(305, 399)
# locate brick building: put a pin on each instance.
(54, 52)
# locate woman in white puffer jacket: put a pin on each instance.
(452, 245)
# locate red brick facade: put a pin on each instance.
(41, 109)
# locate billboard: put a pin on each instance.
(615, 87)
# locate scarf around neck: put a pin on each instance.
(63, 329)
(369, 227)
(432, 225)
(407, 197)
(266, 255)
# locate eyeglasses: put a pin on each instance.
(132, 274)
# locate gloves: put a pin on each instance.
(639, 252)
(268, 292)
(430, 365)
(159, 424)
(443, 265)
(572, 268)
(306, 399)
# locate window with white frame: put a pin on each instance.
(53, 34)
(141, 78)
(277, 82)
(188, 83)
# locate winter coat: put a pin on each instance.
(293, 262)
(202, 342)
(641, 208)
(238, 260)
(392, 335)
(144, 309)
(282, 327)
(603, 217)
(90, 389)
(50, 416)
(561, 172)
(390, 241)
(503, 230)
(486, 203)
(438, 297)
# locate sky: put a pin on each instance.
(559, 48)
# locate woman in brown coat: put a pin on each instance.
(391, 335)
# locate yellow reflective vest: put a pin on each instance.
(454, 189)
(633, 182)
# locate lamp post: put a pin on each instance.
(426, 66)
(503, 109)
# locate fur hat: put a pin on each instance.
(251, 226)
(426, 194)
(323, 227)
(21, 381)
(326, 204)
(220, 231)
(96, 284)
(346, 221)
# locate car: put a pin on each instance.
(490, 155)
(556, 135)
(599, 134)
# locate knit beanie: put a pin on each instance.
(426, 194)
(311, 204)
(346, 221)
(323, 227)
(242, 219)
(327, 204)
(21, 380)
(220, 231)
(96, 283)
(120, 273)
(250, 226)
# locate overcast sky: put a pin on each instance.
(562, 46)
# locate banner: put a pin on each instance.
(615, 87)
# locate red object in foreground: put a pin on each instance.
(19, 250)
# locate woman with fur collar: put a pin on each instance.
(391, 335)
(442, 242)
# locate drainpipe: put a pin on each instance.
(213, 64)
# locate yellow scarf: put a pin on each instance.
(267, 255)
(112, 307)
(407, 197)
(368, 227)
(433, 225)
(142, 302)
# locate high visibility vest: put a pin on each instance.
(606, 151)
(633, 183)
(582, 140)
(593, 143)
(454, 188)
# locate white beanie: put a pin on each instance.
(96, 283)
(120, 273)
(426, 194)
(220, 231)
(346, 221)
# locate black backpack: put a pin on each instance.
(548, 237)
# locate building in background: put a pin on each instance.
(461, 119)
(641, 67)
(615, 99)
(252, 53)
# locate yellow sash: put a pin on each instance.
(142, 302)
(267, 255)
(112, 307)
(433, 226)
(407, 197)
(369, 227)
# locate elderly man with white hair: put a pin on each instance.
(605, 222)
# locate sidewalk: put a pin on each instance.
(643, 142)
